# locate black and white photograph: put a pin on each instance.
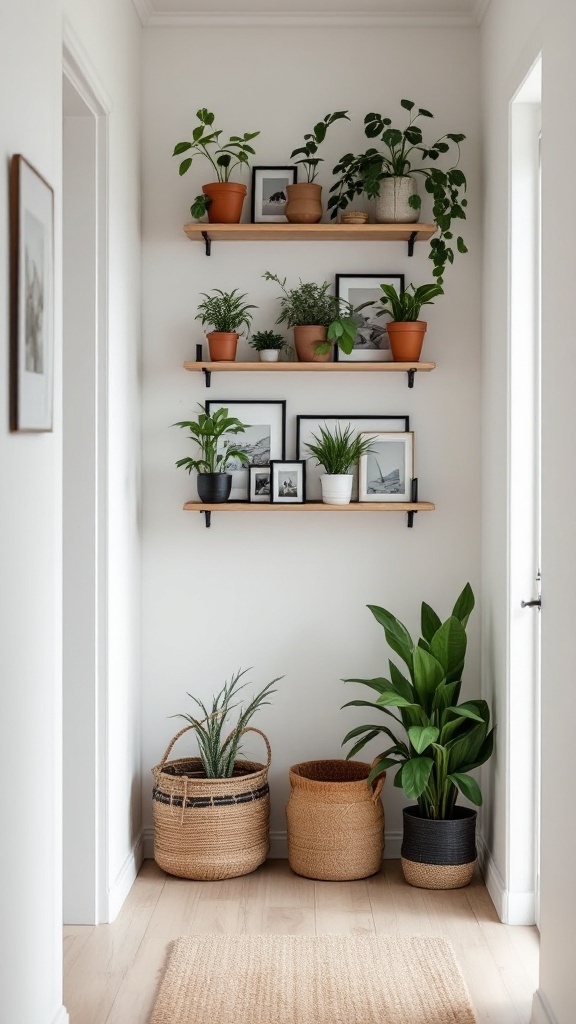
(306, 426)
(263, 440)
(288, 482)
(371, 344)
(269, 193)
(386, 471)
(259, 487)
(32, 298)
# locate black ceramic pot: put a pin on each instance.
(214, 488)
(439, 854)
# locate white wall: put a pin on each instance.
(288, 596)
(30, 512)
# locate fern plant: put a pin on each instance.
(225, 312)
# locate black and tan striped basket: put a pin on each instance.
(208, 829)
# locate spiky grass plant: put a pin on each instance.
(339, 450)
(217, 745)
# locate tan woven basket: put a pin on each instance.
(208, 829)
(335, 821)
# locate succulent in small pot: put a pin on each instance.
(337, 451)
(318, 318)
(226, 313)
(217, 451)
(304, 200)
(268, 344)
(405, 331)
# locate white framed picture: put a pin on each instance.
(288, 482)
(259, 484)
(371, 344)
(269, 193)
(386, 472)
(263, 440)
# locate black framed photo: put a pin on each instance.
(306, 426)
(387, 470)
(269, 193)
(259, 484)
(288, 482)
(32, 298)
(371, 344)
(263, 440)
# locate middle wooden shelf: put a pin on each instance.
(208, 368)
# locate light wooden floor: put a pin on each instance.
(111, 972)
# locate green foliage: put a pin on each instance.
(444, 740)
(200, 206)
(400, 148)
(225, 311)
(311, 304)
(267, 340)
(405, 306)
(224, 157)
(208, 432)
(217, 751)
(338, 450)
(312, 141)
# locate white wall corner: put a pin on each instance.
(324, 19)
(516, 908)
(125, 878)
(61, 1016)
(480, 8)
(144, 11)
(541, 1012)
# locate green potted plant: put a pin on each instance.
(211, 813)
(268, 344)
(337, 451)
(226, 313)
(388, 174)
(405, 331)
(436, 742)
(217, 451)
(221, 199)
(318, 319)
(304, 201)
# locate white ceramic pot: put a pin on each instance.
(269, 355)
(336, 488)
(392, 206)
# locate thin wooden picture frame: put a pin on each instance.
(386, 472)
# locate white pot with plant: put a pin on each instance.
(268, 344)
(226, 313)
(222, 199)
(304, 201)
(338, 451)
(318, 319)
(213, 435)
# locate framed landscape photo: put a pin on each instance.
(386, 472)
(269, 193)
(288, 482)
(306, 426)
(263, 440)
(259, 484)
(32, 298)
(371, 344)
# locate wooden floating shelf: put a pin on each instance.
(258, 367)
(310, 232)
(310, 506)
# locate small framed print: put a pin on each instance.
(288, 482)
(259, 483)
(387, 470)
(371, 344)
(269, 193)
(263, 440)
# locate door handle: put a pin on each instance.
(531, 604)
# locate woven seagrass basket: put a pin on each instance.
(439, 854)
(335, 821)
(208, 829)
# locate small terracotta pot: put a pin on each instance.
(304, 203)
(222, 346)
(306, 338)
(406, 340)
(227, 200)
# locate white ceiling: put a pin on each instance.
(337, 12)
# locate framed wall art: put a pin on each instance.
(371, 344)
(387, 470)
(288, 482)
(259, 483)
(263, 440)
(31, 298)
(269, 193)
(306, 426)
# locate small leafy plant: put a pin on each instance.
(443, 740)
(208, 432)
(405, 306)
(338, 450)
(312, 305)
(224, 157)
(264, 341)
(312, 140)
(219, 751)
(225, 311)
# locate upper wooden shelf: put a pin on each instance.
(208, 233)
(256, 366)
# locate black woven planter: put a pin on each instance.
(439, 854)
(214, 488)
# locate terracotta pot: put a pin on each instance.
(222, 345)
(306, 338)
(227, 199)
(304, 203)
(406, 340)
(392, 205)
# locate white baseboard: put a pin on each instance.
(279, 844)
(61, 1016)
(516, 908)
(541, 1012)
(125, 878)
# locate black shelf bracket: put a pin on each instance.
(411, 377)
(413, 497)
(411, 240)
(207, 517)
(208, 243)
(207, 376)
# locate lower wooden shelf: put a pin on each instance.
(410, 507)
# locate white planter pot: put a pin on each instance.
(392, 204)
(269, 355)
(336, 488)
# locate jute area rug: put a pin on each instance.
(323, 979)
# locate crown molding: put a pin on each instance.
(480, 9)
(438, 19)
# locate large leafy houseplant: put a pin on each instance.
(436, 742)
(209, 432)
